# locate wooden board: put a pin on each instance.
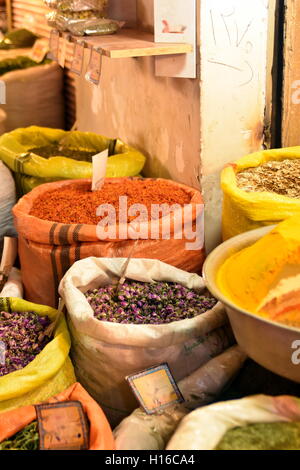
(131, 43)
(291, 85)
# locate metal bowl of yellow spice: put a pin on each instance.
(241, 283)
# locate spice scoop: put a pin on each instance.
(122, 278)
(51, 328)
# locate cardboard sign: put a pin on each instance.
(62, 426)
(78, 58)
(155, 388)
(99, 169)
(54, 44)
(39, 50)
(95, 64)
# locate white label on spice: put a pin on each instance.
(99, 169)
(39, 50)
(94, 68)
(78, 56)
(155, 388)
(54, 44)
(62, 52)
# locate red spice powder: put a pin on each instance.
(77, 204)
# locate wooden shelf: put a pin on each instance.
(132, 43)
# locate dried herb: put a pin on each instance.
(280, 177)
(27, 439)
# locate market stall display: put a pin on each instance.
(98, 347)
(36, 367)
(18, 428)
(253, 423)
(39, 155)
(152, 432)
(56, 224)
(264, 266)
(260, 189)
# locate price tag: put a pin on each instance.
(155, 389)
(99, 170)
(94, 68)
(54, 44)
(62, 51)
(62, 426)
(78, 57)
(39, 50)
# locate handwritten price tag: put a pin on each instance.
(39, 50)
(78, 57)
(54, 44)
(155, 388)
(94, 68)
(62, 426)
(62, 51)
(99, 170)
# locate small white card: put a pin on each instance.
(39, 50)
(99, 170)
(78, 57)
(62, 51)
(94, 68)
(54, 44)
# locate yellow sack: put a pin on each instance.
(247, 277)
(244, 211)
(49, 373)
(31, 169)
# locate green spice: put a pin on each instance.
(19, 63)
(262, 436)
(27, 439)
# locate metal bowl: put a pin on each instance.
(270, 344)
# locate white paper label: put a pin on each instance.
(94, 69)
(62, 52)
(99, 169)
(54, 44)
(78, 57)
(39, 50)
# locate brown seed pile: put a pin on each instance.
(280, 177)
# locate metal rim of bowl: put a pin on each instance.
(216, 292)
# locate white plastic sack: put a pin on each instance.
(34, 96)
(105, 353)
(13, 286)
(7, 201)
(204, 428)
(152, 432)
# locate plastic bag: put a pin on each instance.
(152, 432)
(48, 374)
(105, 353)
(101, 437)
(91, 25)
(243, 211)
(77, 5)
(47, 249)
(204, 428)
(124, 160)
(17, 39)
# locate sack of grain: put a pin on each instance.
(48, 248)
(105, 352)
(47, 373)
(268, 198)
(34, 96)
(40, 155)
(13, 287)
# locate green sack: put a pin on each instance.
(32, 170)
(17, 39)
